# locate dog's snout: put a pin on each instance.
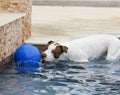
(43, 55)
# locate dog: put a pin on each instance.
(84, 49)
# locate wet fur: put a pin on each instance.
(83, 49)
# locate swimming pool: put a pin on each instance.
(97, 77)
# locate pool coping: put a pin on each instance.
(9, 17)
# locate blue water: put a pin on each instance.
(97, 77)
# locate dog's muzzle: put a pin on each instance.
(43, 57)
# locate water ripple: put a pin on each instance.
(98, 77)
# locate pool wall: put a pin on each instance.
(15, 28)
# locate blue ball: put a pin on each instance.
(27, 55)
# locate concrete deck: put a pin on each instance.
(97, 3)
(65, 23)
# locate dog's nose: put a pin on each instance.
(43, 55)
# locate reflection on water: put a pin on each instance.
(97, 77)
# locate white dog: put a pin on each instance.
(84, 49)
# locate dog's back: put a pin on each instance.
(85, 48)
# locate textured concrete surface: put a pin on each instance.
(65, 23)
(22, 6)
(15, 28)
(12, 36)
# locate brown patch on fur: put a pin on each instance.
(50, 42)
(65, 49)
(59, 50)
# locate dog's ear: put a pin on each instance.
(64, 48)
(50, 42)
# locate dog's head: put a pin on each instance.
(54, 51)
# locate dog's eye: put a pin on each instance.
(52, 51)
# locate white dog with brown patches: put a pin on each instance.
(84, 49)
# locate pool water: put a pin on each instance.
(98, 77)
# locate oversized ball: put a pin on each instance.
(27, 55)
